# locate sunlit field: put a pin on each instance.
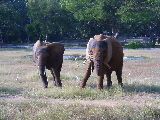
(22, 95)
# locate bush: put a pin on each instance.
(134, 45)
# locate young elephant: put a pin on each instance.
(106, 55)
(50, 56)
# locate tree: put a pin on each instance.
(22, 19)
(141, 16)
(50, 19)
(13, 19)
(8, 15)
(95, 16)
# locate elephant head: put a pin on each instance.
(106, 55)
(50, 56)
(99, 50)
(39, 47)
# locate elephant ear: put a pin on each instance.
(109, 50)
(36, 45)
(88, 55)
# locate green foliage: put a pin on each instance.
(141, 17)
(95, 16)
(4, 91)
(13, 20)
(32, 19)
(136, 11)
(8, 17)
(134, 45)
(84, 9)
(48, 18)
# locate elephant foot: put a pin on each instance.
(100, 88)
(45, 86)
(120, 84)
(109, 84)
(82, 85)
(58, 84)
(54, 83)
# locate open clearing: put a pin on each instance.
(22, 95)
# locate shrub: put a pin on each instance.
(134, 45)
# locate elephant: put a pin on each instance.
(105, 54)
(50, 56)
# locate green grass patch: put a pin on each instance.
(49, 111)
(139, 98)
(6, 91)
(70, 92)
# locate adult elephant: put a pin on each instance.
(105, 54)
(50, 56)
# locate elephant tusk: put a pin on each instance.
(84, 62)
(107, 65)
(38, 70)
(77, 64)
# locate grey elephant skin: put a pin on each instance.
(50, 56)
(105, 54)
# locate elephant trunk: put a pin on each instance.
(98, 63)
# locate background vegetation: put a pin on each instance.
(54, 20)
(22, 95)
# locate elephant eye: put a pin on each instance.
(91, 52)
(37, 54)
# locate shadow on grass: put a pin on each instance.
(133, 88)
(92, 86)
(15, 49)
(5, 91)
(141, 88)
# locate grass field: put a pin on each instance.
(22, 96)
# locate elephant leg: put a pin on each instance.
(109, 82)
(43, 76)
(53, 77)
(59, 70)
(100, 81)
(57, 78)
(119, 77)
(58, 74)
(86, 76)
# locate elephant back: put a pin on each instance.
(56, 47)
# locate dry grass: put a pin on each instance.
(23, 97)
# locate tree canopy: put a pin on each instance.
(54, 20)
